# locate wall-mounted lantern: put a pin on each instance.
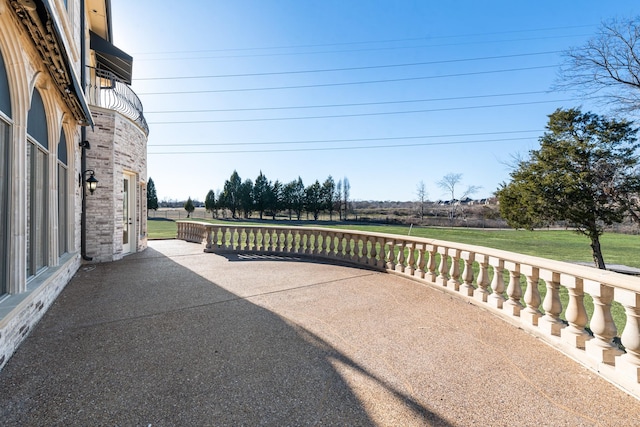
(91, 181)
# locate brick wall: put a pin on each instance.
(117, 146)
(32, 306)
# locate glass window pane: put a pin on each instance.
(4, 204)
(40, 210)
(62, 209)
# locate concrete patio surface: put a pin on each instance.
(173, 336)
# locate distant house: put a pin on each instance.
(67, 118)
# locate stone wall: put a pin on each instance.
(29, 307)
(118, 146)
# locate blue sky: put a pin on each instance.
(385, 93)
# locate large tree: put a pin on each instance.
(231, 193)
(210, 203)
(261, 192)
(608, 65)
(152, 196)
(585, 173)
(246, 198)
(313, 199)
(327, 193)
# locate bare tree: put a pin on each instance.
(607, 66)
(421, 192)
(448, 183)
(346, 191)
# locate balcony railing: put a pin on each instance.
(107, 91)
(522, 289)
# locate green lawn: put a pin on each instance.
(160, 228)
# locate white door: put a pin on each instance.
(128, 214)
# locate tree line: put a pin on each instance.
(267, 198)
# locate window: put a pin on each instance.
(4, 204)
(63, 196)
(37, 171)
(5, 135)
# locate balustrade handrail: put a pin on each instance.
(452, 267)
(106, 90)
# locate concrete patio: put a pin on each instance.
(175, 336)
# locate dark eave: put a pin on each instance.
(39, 21)
(110, 58)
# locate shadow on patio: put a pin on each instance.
(174, 336)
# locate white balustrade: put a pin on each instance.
(417, 258)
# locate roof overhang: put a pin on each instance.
(110, 58)
(41, 23)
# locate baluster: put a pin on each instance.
(629, 363)
(454, 271)
(328, 244)
(411, 260)
(466, 288)
(442, 278)
(381, 254)
(281, 240)
(551, 322)
(482, 293)
(314, 243)
(336, 243)
(576, 314)
(420, 263)
(242, 239)
(341, 246)
(373, 252)
(363, 242)
(351, 247)
(311, 243)
(531, 312)
(601, 347)
(513, 305)
(227, 238)
(391, 256)
(430, 272)
(209, 245)
(496, 299)
(400, 264)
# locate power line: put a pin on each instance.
(335, 116)
(395, 48)
(368, 42)
(371, 67)
(349, 83)
(361, 104)
(338, 148)
(317, 141)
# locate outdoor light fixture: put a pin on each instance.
(91, 181)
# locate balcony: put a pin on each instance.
(107, 91)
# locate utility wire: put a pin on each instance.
(371, 67)
(291, 150)
(317, 141)
(474, 73)
(395, 48)
(368, 42)
(335, 116)
(361, 104)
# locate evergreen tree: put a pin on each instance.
(152, 196)
(188, 206)
(210, 203)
